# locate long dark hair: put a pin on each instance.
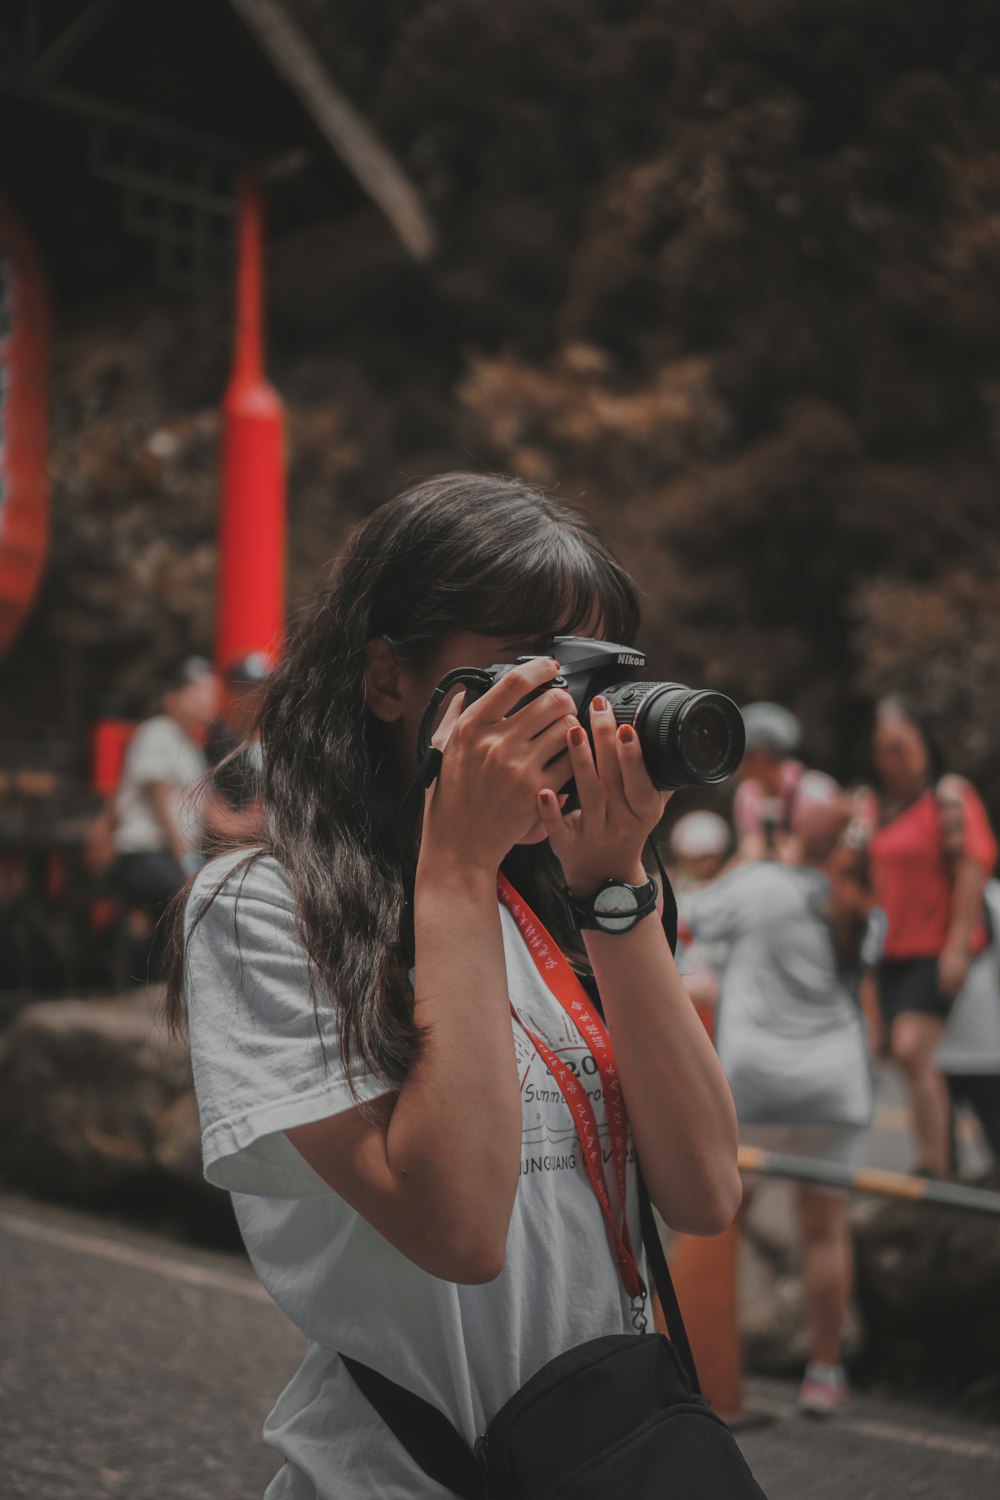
(459, 552)
(896, 706)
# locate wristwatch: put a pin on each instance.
(615, 907)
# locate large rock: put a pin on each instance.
(96, 1101)
(928, 1283)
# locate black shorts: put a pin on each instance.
(910, 984)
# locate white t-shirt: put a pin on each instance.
(259, 1070)
(158, 751)
(788, 1029)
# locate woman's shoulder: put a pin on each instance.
(756, 876)
(241, 876)
(742, 896)
(240, 920)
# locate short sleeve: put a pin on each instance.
(980, 843)
(152, 753)
(747, 897)
(714, 912)
(261, 1066)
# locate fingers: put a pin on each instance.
(588, 786)
(603, 732)
(554, 706)
(552, 819)
(514, 685)
(640, 793)
(448, 720)
(550, 743)
(557, 773)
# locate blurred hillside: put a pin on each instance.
(725, 272)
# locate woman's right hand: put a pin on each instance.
(485, 798)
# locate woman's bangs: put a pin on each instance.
(559, 585)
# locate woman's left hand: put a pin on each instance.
(953, 969)
(619, 806)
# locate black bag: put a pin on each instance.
(617, 1416)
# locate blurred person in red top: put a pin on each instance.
(932, 850)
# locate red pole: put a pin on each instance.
(251, 590)
(25, 334)
(705, 1273)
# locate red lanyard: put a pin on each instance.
(565, 986)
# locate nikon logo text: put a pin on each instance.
(625, 659)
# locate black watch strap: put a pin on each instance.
(615, 907)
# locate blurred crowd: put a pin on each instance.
(828, 931)
(824, 931)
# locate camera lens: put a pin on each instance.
(689, 736)
(704, 737)
(692, 737)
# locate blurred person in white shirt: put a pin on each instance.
(160, 802)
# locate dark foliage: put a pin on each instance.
(726, 272)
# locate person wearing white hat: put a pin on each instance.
(699, 836)
(768, 777)
(699, 843)
(159, 806)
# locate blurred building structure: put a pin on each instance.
(724, 275)
(147, 133)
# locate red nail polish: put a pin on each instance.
(577, 736)
(601, 704)
(626, 734)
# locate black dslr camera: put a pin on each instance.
(689, 736)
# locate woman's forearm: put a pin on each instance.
(679, 1104)
(966, 902)
(163, 801)
(455, 1133)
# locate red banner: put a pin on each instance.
(25, 340)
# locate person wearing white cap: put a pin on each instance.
(698, 838)
(768, 778)
(792, 1039)
(159, 806)
(699, 843)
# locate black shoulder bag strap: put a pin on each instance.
(434, 1444)
(425, 1432)
(429, 1438)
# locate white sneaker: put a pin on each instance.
(824, 1390)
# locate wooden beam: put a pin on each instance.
(350, 135)
(103, 112)
(60, 53)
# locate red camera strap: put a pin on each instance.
(565, 986)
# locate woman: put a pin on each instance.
(699, 842)
(405, 1171)
(931, 851)
(791, 1039)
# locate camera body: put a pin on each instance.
(688, 736)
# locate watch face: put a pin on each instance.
(615, 907)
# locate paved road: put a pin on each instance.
(131, 1366)
(134, 1366)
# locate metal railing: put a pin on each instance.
(870, 1180)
